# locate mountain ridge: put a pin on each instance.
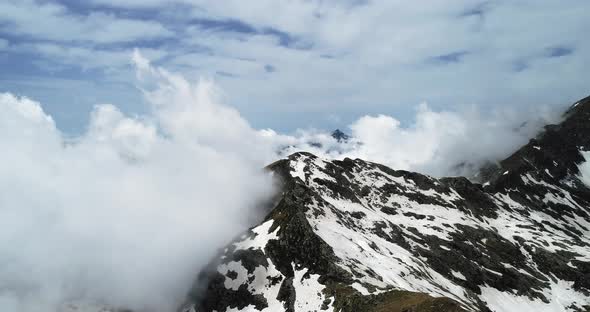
(351, 235)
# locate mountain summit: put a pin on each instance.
(351, 235)
(340, 136)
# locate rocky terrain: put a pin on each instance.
(351, 235)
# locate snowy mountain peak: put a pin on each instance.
(351, 235)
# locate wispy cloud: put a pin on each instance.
(316, 58)
(559, 51)
(454, 57)
(50, 21)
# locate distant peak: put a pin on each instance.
(340, 136)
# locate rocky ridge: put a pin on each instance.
(351, 235)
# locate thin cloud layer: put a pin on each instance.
(55, 22)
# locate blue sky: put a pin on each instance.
(298, 64)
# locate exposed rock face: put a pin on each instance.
(340, 136)
(353, 235)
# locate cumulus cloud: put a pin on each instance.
(127, 213)
(439, 143)
(448, 143)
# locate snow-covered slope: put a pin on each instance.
(352, 235)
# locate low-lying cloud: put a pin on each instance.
(127, 213)
(437, 143)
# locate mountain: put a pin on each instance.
(351, 235)
(340, 136)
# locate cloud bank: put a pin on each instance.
(126, 214)
(438, 143)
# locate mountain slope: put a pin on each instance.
(353, 235)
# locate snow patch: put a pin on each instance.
(360, 288)
(458, 275)
(262, 237)
(585, 168)
(241, 278)
(560, 295)
(308, 291)
(298, 167)
(377, 261)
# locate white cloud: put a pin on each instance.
(127, 213)
(359, 56)
(447, 143)
(50, 21)
(383, 55)
(439, 143)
